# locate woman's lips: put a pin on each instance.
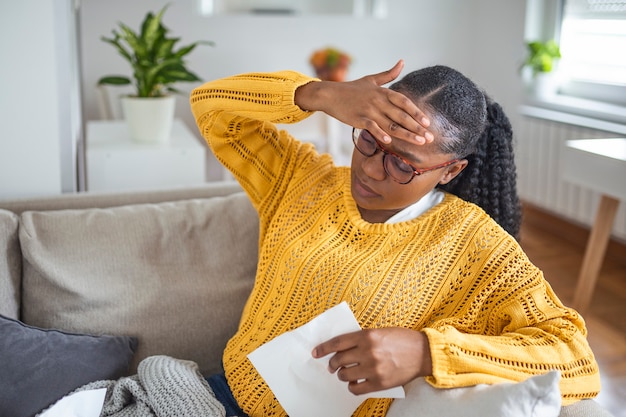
(363, 190)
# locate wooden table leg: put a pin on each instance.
(594, 252)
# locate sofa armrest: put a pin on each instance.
(10, 265)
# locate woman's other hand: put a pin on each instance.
(377, 359)
(365, 104)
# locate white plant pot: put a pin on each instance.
(545, 85)
(149, 119)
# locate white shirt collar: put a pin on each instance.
(416, 209)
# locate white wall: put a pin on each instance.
(39, 106)
(497, 50)
(482, 38)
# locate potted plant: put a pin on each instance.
(541, 61)
(156, 65)
(330, 64)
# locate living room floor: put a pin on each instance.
(560, 259)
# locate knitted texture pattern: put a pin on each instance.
(453, 272)
(162, 387)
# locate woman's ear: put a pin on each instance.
(452, 171)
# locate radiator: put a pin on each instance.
(538, 146)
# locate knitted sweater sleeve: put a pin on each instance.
(515, 327)
(237, 115)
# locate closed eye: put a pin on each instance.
(401, 164)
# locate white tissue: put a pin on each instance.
(303, 385)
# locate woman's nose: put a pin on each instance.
(373, 166)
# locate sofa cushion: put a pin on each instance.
(40, 366)
(537, 396)
(175, 275)
(10, 264)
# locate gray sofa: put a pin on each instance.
(170, 268)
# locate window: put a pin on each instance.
(593, 47)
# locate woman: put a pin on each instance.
(441, 288)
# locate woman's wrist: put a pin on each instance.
(426, 361)
(310, 96)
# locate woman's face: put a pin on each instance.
(379, 196)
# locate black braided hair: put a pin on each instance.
(471, 126)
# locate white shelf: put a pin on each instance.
(115, 162)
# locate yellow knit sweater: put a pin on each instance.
(453, 272)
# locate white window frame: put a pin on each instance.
(596, 100)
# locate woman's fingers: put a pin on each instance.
(406, 120)
(398, 115)
(389, 75)
(365, 104)
(406, 130)
(374, 359)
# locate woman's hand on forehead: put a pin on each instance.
(365, 104)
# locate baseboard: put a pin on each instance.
(573, 232)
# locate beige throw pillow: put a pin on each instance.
(174, 275)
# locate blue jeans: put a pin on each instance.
(224, 395)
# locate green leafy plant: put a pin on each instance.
(541, 56)
(155, 62)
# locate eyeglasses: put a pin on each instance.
(395, 166)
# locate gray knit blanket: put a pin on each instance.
(162, 387)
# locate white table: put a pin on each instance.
(115, 162)
(599, 164)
